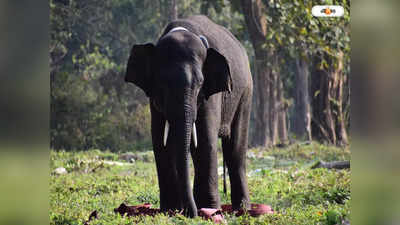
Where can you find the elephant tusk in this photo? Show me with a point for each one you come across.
(194, 135)
(166, 130)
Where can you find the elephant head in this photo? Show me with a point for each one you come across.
(178, 74)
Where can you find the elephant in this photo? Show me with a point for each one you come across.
(198, 81)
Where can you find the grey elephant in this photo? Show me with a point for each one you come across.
(199, 83)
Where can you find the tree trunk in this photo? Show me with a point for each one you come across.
(282, 123)
(205, 6)
(274, 102)
(302, 116)
(270, 113)
(172, 10)
(340, 118)
(255, 18)
(261, 112)
(322, 122)
(328, 123)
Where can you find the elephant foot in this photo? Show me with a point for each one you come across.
(243, 204)
(208, 202)
(190, 212)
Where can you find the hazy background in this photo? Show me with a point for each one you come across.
(375, 112)
(24, 112)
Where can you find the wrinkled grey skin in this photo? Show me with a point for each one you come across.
(186, 83)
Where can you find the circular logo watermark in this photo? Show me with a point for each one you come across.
(327, 11)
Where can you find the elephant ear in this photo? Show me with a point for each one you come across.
(217, 76)
(139, 68)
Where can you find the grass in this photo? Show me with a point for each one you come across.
(281, 178)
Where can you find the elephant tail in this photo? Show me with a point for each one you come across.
(224, 175)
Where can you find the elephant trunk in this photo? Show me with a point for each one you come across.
(184, 130)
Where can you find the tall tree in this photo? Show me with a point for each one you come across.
(328, 122)
(172, 10)
(302, 117)
(304, 39)
(269, 115)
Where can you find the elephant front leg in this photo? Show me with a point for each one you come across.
(166, 166)
(167, 182)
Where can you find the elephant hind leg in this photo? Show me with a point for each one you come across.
(234, 153)
(205, 161)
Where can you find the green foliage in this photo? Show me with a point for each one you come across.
(298, 194)
(84, 116)
(295, 34)
(91, 106)
(293, 28)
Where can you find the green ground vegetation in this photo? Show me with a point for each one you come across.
(280, 177)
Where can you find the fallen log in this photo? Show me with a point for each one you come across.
(332, 165)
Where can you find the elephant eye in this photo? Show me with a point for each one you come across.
(157, 105)
(201, 81)
(200, 96)
(198, 76)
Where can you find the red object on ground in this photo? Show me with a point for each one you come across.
(255, 210)
(216, 215)
(260, 209)
(136, 210)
